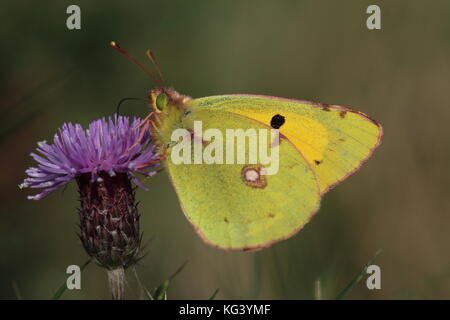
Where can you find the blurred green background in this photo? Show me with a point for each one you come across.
(312, 50)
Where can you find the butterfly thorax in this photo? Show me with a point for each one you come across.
(168, 108)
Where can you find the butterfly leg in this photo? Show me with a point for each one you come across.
(145, 121)
(149, 125)
(162, 157)
(142, 132)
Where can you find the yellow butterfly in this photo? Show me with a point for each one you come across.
(236, 205)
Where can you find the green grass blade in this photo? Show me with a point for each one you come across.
(178, 270)
(143, 288)
(214, 294)
(357, 279)
(161, 292)
(63, 287)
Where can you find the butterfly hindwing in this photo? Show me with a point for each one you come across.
(232, 213)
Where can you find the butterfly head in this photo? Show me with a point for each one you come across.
(166, 111)
(163, 100)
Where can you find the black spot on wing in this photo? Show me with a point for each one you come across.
(277, 121)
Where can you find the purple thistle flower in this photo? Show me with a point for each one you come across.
(107, 146)
(103, 160)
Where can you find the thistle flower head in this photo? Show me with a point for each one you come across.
(109, 146)
(103, 160)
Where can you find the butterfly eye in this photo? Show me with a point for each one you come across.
(161, 101)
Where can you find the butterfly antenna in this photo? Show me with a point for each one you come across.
(123, 100)
(158, 70)
(129, 56)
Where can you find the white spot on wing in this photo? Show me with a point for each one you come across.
(251, 175)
